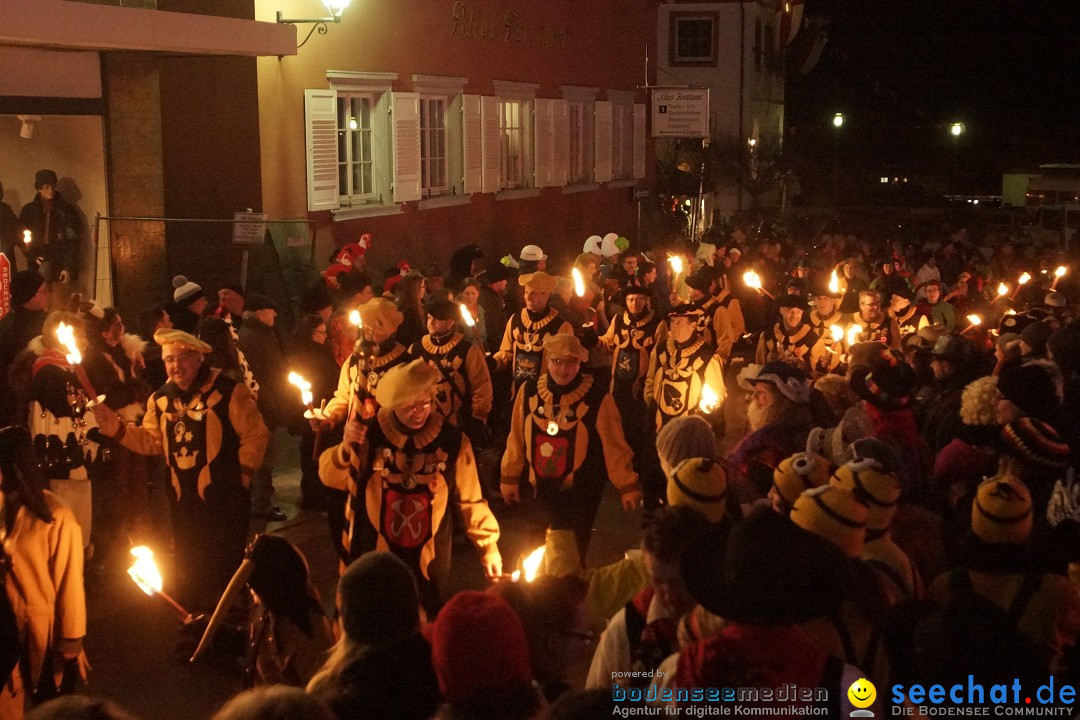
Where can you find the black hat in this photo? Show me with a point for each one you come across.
(496, 272)
(255, 302)
(1036, 335)
(1031, 388)
(441, 309)
(821, 289)
(885, 385)
(1014, 323)
(702, 280)
(771, 572)
(953, 348)
(635, 290)
(25, 285)
(685, 310)
(44, 177)
(787, 300)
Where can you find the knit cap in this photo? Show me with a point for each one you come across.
(878, 490)
(685, 437)
(833, 513)
(185, 292)
(478, 644)
(1036, 336)
(1001, 512)
(379, 599)
(1035, 444)
(798, 473)
(700, 484)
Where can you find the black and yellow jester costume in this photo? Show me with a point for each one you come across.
(463, 394)
(405, 485)
(678, 372)
(522, 347)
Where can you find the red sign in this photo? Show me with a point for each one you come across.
(5, 285)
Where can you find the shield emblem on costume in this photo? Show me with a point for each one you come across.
(526, 365)
(672, 396)
(626, 364)
(406, 517)
(550, 456)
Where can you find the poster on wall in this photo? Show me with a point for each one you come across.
(680, 112)
(5, 285)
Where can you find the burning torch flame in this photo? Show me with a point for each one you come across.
(305, 388)
(531, 565)
(1024, 279)
(752, 280)
(145, 572)
(1003, 289)
(676, 264)
(709, 399)
(853, 333)
(354, 318)
(837, 333)
(974, 319)
(26, 237)
(834, 283)
(1058, 274)
(66, 335)
(466, 316)
(579, 282)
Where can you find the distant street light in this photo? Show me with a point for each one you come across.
(838, 122)
(956, 129)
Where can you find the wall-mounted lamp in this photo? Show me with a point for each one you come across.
(334, 7)
(27, 129)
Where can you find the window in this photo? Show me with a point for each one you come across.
(434, 168)
(510, 144)
(578, 168)
(356, 178)
(622, 141)
(580, 106)
(693, 39)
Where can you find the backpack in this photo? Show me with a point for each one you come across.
(968, 635)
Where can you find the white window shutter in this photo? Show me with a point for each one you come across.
(560, 142)
(472, 138)
(602, 146)
(406, 117)
(639, 140)
(489, 127)
(320, 121)
(542, 142)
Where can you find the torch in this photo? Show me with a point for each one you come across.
(1020, 282)
(146, 575)
(853, 333)
(468, 319)
(752, 280)
(66, 335)
(710, 401)
(676, 263)
(579, 293)
(305, 389)
(1002, 291)
(1058, 274)
(530, 566)
(974, 322)
(836, 333)
(834, 283)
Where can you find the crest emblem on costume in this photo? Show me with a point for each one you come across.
(550, 456)
(406, 518)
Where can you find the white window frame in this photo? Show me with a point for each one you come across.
(622, 134)
(451, 90)
(353, 141)
(581, 108)
(377, 87)
(524, 95)
(434, 145)
(512, 141)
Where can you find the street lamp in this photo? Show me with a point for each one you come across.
(956, 129)
(838, 122)
(334, 7)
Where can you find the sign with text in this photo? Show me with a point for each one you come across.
(5, 285)
(249, 228)
(680, 112)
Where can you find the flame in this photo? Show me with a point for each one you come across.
(752, 280)
(27, 237)
(1024, 279)
(974, 319)
(709, 399)
(66, 335)
(676, 264)
(305, 387)
(1010, 311)
(354, 318)
(834, 283)
(579, 282)
(1060, 272)
(466, 316)
(837, 333)
(1003, 289)
(853, 333)
(530, 566)
(145, 572)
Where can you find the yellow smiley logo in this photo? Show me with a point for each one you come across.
(862, 693)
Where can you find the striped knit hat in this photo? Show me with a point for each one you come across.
(700, 484)
(832, 513)
(1036, 444)
(1001, 512)
(802, 471)
(875, 488)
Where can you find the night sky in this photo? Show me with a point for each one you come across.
(903, 70)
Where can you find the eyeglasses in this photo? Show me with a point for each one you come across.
(565, 362)
(417, 406)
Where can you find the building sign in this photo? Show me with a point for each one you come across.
(471, 21)
(249, 228)
(5, 285)
(680, 112)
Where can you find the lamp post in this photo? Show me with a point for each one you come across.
(956, 129)
(838, 122)
(334, 7)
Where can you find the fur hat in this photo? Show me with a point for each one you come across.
(403, 385)
(700, 484)
(1036, 444)
(379, 600)
(790, 381)
(562, 345)
(835, 514)
(381, 315)
(165, 337)
(44, 177)
(798, 473)
(875, 488)
(186, 292)
(1001, 513)
(539, 281)
(24, 286)
(685, 437)
(478, 644)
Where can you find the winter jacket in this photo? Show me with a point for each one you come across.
(262, 348)
(55, 234)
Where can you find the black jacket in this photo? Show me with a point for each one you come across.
(261, 347)
(60, 246)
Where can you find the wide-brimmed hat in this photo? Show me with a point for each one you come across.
(788, 379)
(404, 385)
(539, 281)
(887, 386)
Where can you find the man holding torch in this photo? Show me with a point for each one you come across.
(407, 474)
(522, 347)
(213, 438)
